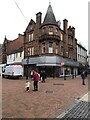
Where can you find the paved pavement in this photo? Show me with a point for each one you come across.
(80, 110)
(53, 98)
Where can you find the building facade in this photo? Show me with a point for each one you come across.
(0, 53)
(81, 58)
(48, 47)
(89, 60)
(89, 35)
(12, 50)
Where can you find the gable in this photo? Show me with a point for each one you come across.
(15, 44)
(30, 26)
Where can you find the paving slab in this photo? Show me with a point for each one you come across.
(79, 110)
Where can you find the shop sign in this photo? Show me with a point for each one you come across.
(62, 63)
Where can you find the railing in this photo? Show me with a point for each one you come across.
(47, 36)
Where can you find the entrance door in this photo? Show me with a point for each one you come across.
(49, 71)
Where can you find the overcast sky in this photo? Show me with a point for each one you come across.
(13, 22)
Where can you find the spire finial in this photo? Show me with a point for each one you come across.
(49, 2)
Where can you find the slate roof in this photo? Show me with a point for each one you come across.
(16, 51)
(49, 17)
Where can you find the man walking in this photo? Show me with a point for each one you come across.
(43, 75)
(83, 78)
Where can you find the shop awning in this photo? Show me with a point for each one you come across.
(48, 64)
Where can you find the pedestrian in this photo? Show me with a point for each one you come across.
(83, 78)
(86, 74)
(39, 77)
(35, 79)
(43, 74)
(27, 85)
(32, 73)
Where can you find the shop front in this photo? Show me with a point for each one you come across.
(54, 66)
(69, 68)
(50, 64)
(82, 67)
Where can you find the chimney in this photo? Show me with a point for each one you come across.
(73, 30)
(38, 18)
(19, 35)
(65, 25)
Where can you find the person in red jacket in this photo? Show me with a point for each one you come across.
(36, 79)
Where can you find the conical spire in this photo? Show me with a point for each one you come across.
(49, 17)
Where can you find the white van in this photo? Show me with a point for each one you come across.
(14, 71)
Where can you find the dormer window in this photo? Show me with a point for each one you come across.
(50, 30)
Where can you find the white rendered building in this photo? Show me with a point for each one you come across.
(81, 57)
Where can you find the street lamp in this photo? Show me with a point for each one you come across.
(62, 64)
(27, 61)
(64, 73)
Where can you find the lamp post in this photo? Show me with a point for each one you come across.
(62, 64)
(64, 73)
(27, 61)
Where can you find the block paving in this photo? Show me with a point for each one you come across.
(53, 98)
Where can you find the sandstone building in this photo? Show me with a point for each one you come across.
(50, 48)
